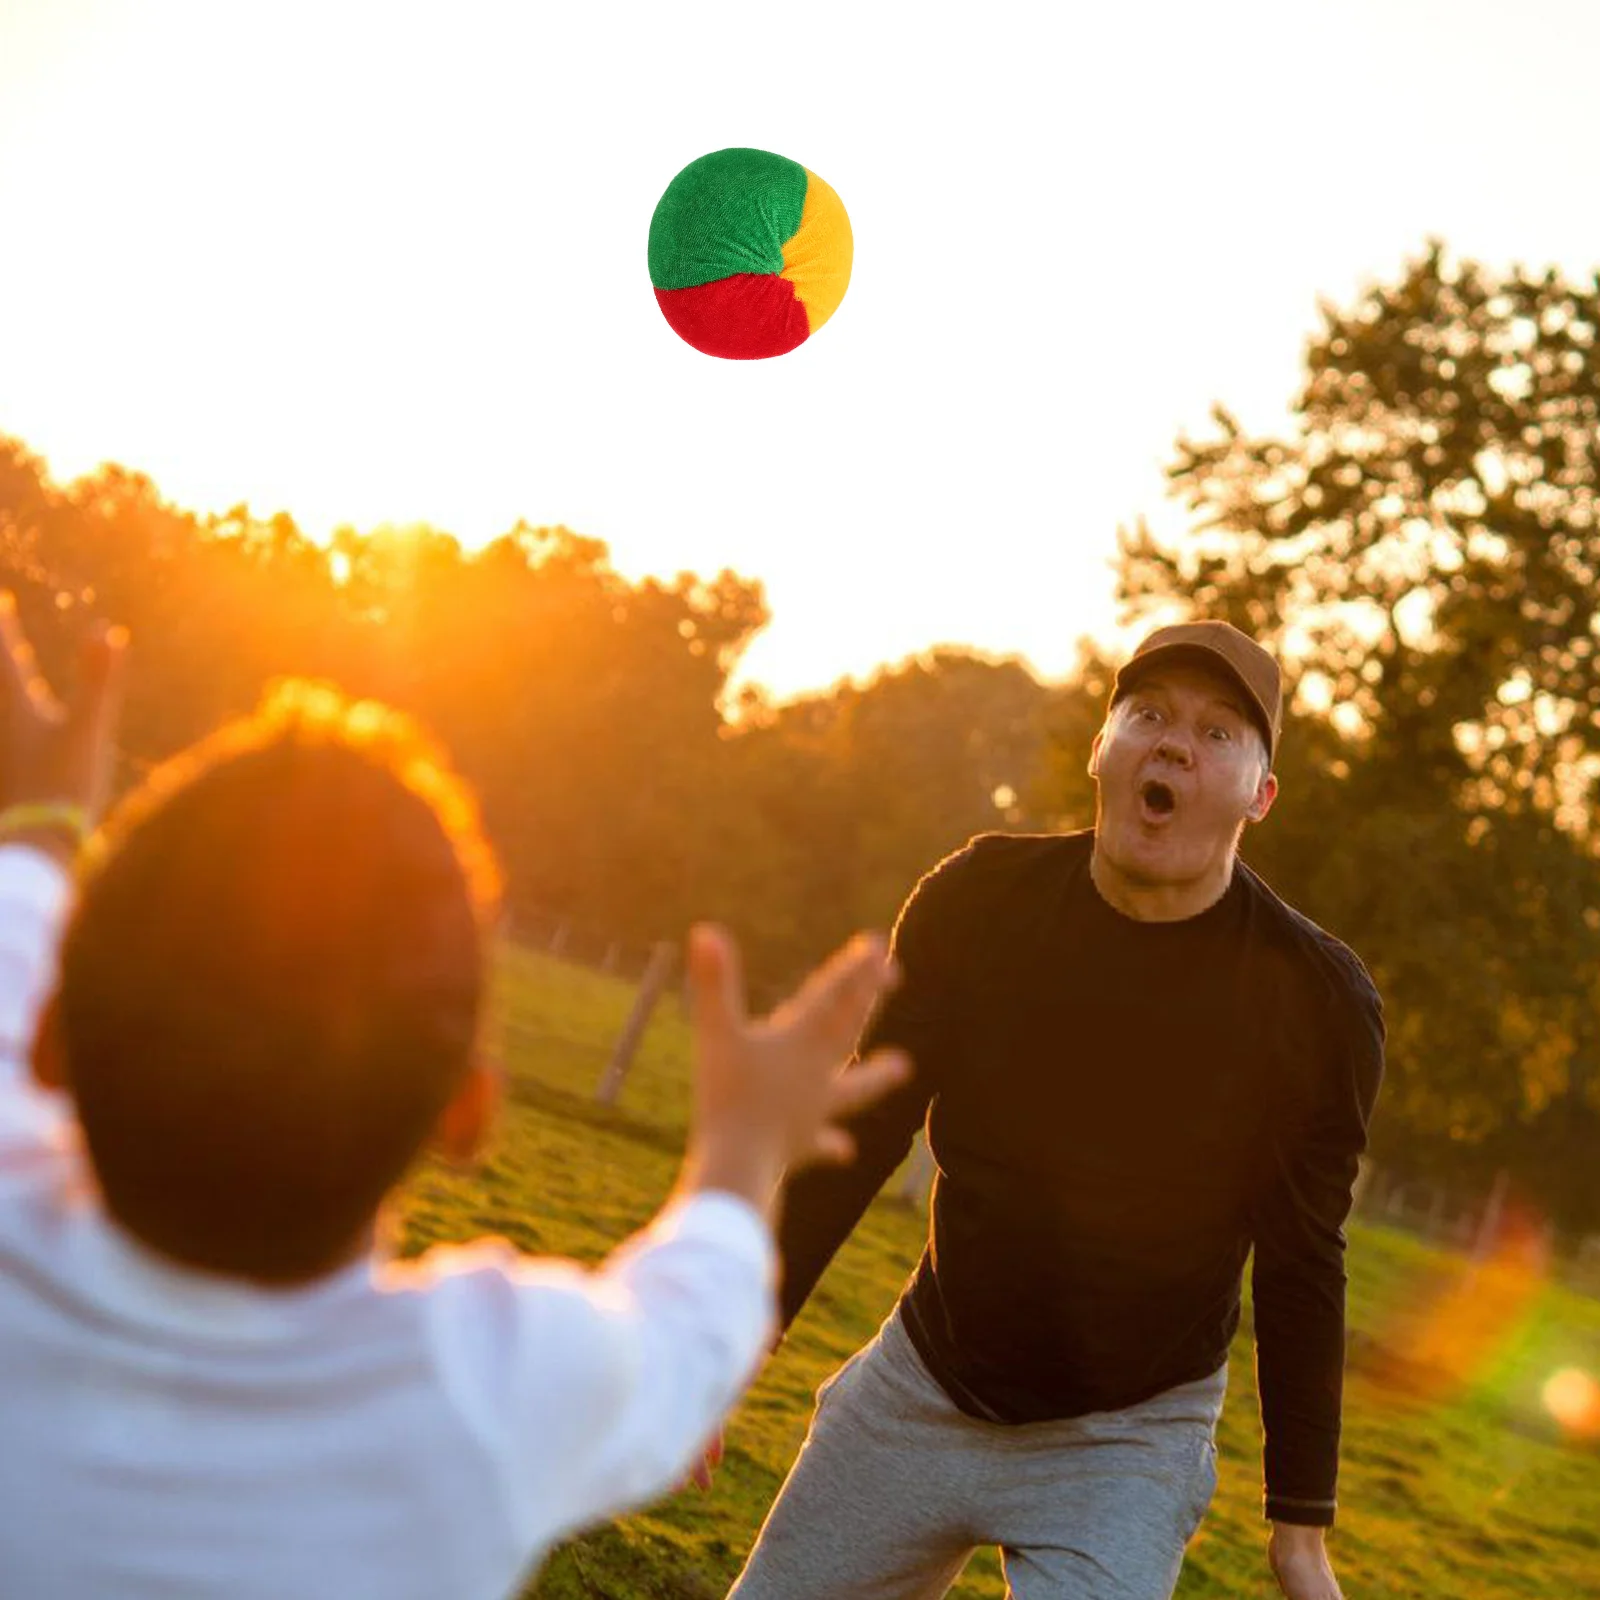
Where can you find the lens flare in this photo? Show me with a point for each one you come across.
(1572, 1397)
(1461, 1321)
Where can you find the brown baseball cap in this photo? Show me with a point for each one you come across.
(1220, 643)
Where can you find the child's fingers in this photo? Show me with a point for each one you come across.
(869, 1081)
(102, 661)
(837, 999)
(833, 1147)
(19, 670)
(716, 982)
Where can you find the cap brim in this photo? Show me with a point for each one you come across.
(1163, 654)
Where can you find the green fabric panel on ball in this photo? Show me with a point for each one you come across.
(729, 212)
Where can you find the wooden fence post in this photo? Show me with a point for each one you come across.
(1488, 1230)
(644, 1002)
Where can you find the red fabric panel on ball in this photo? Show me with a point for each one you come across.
(741, 318)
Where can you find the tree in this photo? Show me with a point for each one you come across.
(1423, 546)
(860, 790)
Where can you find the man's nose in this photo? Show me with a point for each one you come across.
(1174, 747)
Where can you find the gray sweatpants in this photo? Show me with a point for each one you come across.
(895, 1487)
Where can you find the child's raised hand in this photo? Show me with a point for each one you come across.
(770, 1094)
(53, 752)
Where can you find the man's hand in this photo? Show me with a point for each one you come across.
(50, 751)
(1299, 1561)
(708, 1464)
(769, 1095)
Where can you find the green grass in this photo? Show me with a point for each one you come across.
(1454, 1483)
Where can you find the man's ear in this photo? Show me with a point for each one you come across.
(47, 1057)
(1266, 793)
(1094, 753)
(463, 1126)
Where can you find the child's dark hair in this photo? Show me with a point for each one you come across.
(272, 982)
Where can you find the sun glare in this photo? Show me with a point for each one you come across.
(1455, 1331)
(1572, 1397)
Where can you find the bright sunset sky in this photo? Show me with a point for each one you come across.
(387, 263)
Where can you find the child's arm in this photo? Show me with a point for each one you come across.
(606, 1386)
(601, 1388)
(34, 892)
(55, 760)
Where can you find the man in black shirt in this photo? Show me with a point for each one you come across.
(1136, 1063)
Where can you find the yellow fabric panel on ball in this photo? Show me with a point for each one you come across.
(817, 259)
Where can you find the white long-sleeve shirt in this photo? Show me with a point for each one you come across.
(392, 1430)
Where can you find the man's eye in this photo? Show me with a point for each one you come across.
(1144, 711)
(1220, 733)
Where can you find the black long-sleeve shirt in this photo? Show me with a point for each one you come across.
(1118, 1110)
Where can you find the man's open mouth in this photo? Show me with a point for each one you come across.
(1157, 800)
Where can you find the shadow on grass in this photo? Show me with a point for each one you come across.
(607, 1565)
(588, 1113)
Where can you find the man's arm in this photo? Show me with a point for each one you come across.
(821, 1207)
(1299, 1271)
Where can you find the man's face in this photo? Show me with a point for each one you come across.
(1179, 765)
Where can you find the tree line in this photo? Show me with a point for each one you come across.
(1421, 546)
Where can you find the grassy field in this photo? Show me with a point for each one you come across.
(1455, 1481)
